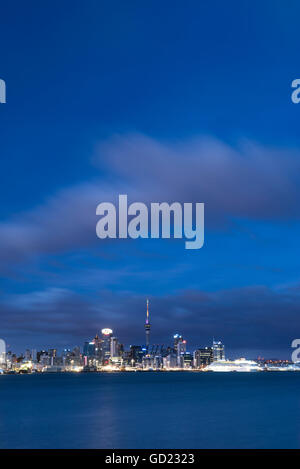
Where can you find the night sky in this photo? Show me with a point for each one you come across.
(163, 101)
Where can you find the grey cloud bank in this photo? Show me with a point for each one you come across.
(251, 182)
(267, 317)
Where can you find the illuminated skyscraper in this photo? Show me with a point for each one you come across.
(147, 328)
(89, 349)
(114, 347)
(97, 346)
(181, 350)
(177, 339)
(105, 343)
(218, 351)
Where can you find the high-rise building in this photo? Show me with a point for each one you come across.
(40, 354)
(136, 354)
(105, 343)
(187, 360)
(218, 351)
(52, 353)
(147, 328)
(181, 350)
(98, 347)
(170, 361)
(44, 359)
(34, 355)
(181, 347)
(89, 349)
(203, 357)
(177, 339)
(114, 347)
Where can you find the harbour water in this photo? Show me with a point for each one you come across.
(150, 410)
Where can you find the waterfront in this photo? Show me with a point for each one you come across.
(150, 410)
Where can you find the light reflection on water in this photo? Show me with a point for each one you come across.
(150, 410)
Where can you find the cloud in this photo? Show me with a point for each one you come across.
(65, 221)
(255, 318)
(249, 181)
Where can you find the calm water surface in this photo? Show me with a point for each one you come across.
(150, 410)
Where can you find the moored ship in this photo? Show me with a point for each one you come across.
(239, 365)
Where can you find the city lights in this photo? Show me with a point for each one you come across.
(105, 353)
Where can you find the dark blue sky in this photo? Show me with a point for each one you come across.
(164, 101)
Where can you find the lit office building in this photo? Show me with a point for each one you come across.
(157, 362)
(97, 347)
(44, 359)
(34, 355)
(177, 339)
(52, 352)
(89, 349)
(105, 343)
(203, 357)
(148, 362)
(170, 361)
(136, 354)
(114, 347)
(181, 351)
(218, 351)
(187, 360)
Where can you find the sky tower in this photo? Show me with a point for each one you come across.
(147, 327)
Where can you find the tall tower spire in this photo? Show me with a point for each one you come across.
(147, 328)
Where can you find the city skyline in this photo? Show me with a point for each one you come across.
(105, 350)
(146, 347)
